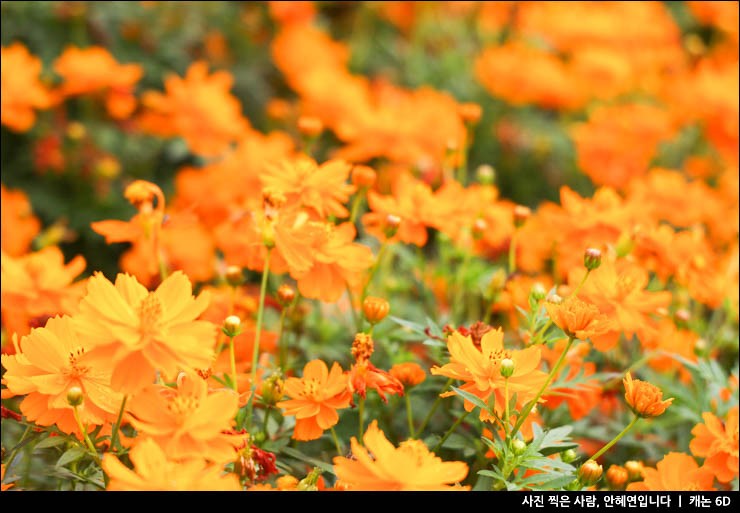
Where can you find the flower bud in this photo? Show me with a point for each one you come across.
(592, 259)
(76, 130)
(232, 326)
(479, 228)
(75, 397)
(363, 176)
(521, 214)
(634, 470)
(569, 456)
(700, 347)
(391, 225)
(589, 473)
(310, 482)
(538, 292)
(486, 174)
(617, 477)
(507, 367)
(470, 112)
(310, 126)
(268, 235)
(285, 294)
(234, 275)
(375, 309)
(518, 446)
(554, 298)
(682, 318)
(498, 279)
(272, 389)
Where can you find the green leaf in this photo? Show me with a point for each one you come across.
(477, 401)
(51, 441)
(73, 454)
(293, 453)
(411, 326)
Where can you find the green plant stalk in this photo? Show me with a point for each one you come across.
(18, 446)
(434, 407)
(266, 419)
(88, 442)
(615, 439)
(336, 442)
(512, 253)
(282, 344)
(506, 408)
(361, 421)
(373, 270)
(232, 360)
(583, 280)
(450, 431)
(523, 416)
(356, 204)
(357, 320)
(459, 285)
(258, 332)
(117, 425)
(409, 416)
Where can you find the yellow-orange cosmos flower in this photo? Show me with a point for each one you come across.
(143, 332)
(577, 318)
(480, 369)
(675, 472)
(718, 444)
(48, 362)
(379, 466)
(187, 421)
(645, 399)
(315, 399)
(156, 472)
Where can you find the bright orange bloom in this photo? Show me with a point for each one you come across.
(409, 373)
(379, 466)
(19, 225)
(187, 421)
(155, 471)
(718, 444)
(363, 375)
(21, 91)
(144, 332)
(323, 189)
(577, 318)
(51, 360)
(480, 369)
(675, 472)
(315, 399)
(95, 70)
(38, 286)
(645, 399)
(198, 108)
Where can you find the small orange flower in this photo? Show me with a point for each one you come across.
(375, 309)
(154, 471)
(19, 225)
(409, 373)
(718, 444)
(143, 332)
(379, 466)
(364, 375)
(315, 399)
(47, 364)
(4, 486)
(675, 472)
(577, 318)
(21, 91)
(645, 399)
(187, 421)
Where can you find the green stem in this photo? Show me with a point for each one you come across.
(434, 407)
(355, 318)
(282, 345)
(450, 431)
(232, 359)
(117, 425)
(616, 439)
(512, 253)
(257, 333)
(356, 204)
(265, 419)
(374, 270)
(533, 402)
(507, 417)
(336, 442)
(459, 277)
(360, 416)
(583, 280)
(409, 416)
(19, 445)
(88, 442)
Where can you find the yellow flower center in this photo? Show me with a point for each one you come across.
(496, 356)
(181, 407)
(415, 451)
(150, 314)
(75, 370)
(311, 388)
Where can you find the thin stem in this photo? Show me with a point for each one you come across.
(232, 360)
(336, 441)
(512, 253)
(533, 402)
(583, 280)
(616, 439)
(450, 431)
(374, 269)
(409, 416)
(258, 332)
(117, 425)
(459, 285)
(356, 204)
(361, 415)
(355, 318)
(434, 407)
(506, 407)
(282, 345)
(83, 430)
(266, 418)
(18, 446)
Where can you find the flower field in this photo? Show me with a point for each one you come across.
(376, 246)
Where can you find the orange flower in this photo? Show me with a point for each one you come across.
(577, 318)
(379, 466)
(315, 399)
(480, 369)
(675, 472)
(363, 375)
(187, 421)
(323, 189)
(155, 471)
(645, 399)
(718, 444)
(21, 91)
(19, 225)
(48, 362)
(38, 286)
(409, 373)
(143, 332)
(198, 108)
(94, 70)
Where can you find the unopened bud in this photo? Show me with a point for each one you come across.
(470, 112)
(634, 470)
(592, 259)
(682, 317)
(285, 294)
(507, 367)
(518, 446)
(391, 225)
(375, 309)
(309, 483)
(617, 477)
(234, 275)
(232, 326)
(310, 126)
(363, 176)
(75, 397)
(700, 347)
(272, 389)
(569, 456)
(76, 130)
(521, 214)
(590, 472)
(268, 235)
(486, 174)
(479, 228)
(498, 280)
(554, 298)
(538, 292)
